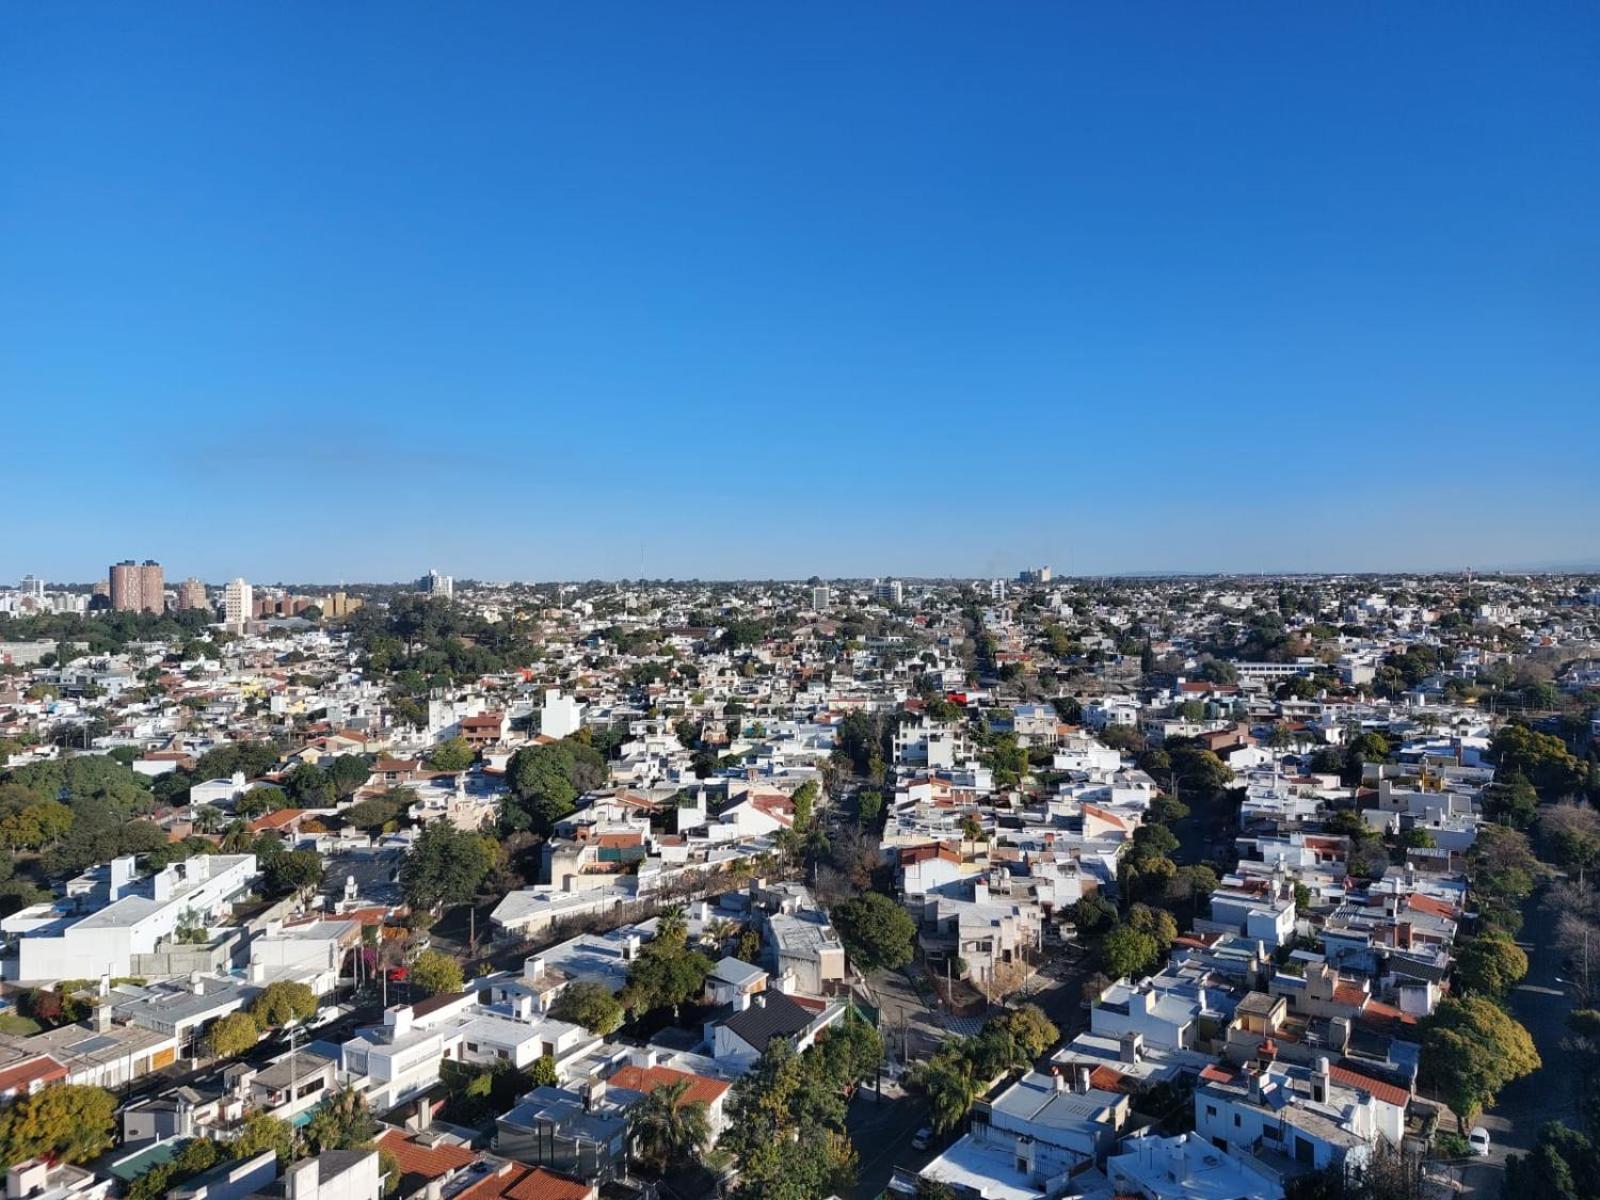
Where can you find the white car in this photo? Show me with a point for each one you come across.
(1478, 1140)
(922, 1138)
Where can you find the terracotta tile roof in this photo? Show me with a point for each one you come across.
(517, 1182)
(1347, 993)
(702, 1089)
(1387, 1012)
(1212, 1073)
(281, 819)
(1376, 1088)
(41, 1069)
(1428, 904)
(1109, 818)
(419, 1163)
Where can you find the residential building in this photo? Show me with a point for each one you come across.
(238, 606)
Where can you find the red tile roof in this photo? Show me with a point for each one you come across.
(41, 1069)
(281, 819)
(702, 1090)
(423, 1162)
(1376, 1088)
(517, 1182)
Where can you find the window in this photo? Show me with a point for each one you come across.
(1211, 1110)
(1236, 1121)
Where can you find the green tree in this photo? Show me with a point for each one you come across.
(68, 1121)
(282, 1002)
(543, 1072)
(541, 781)
(341, 1122)
(259, 1132)
(232, 1035)
(878, 934)
(1032, 1030)
(1490, 965)
(293, 871)
(1471, 1049)
(584, 1002)
(436, 973)
(948, 1081)
(668, 1129)
(446, 866)
(869, 807)
(348, 774)
(1127, 952)
(805, 798)
(377, 811)
(456, 754)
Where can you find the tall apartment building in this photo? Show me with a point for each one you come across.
(339, 604)
(435, 584)
(237, 608)
(821, 598)
(138, 587)
(1035, 575)
(152, 586)
(192, 594)
(32, 587)
(890, 591)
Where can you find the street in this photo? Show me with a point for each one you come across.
(1541, 1005)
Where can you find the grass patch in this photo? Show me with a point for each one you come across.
(18, 1026)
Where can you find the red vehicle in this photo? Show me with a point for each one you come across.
(398, 974)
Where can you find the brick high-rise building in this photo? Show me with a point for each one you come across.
(192, 594)
(138, 587)
(152, 586)
(127, 586)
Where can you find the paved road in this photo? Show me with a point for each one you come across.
(881, 1132)
(1550, 1093)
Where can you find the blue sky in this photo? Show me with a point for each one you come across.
(345, 291)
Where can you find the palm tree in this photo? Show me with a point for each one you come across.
(672, 925)
(237, 838)
(205, 819)
(666, 1130)
(719, 933)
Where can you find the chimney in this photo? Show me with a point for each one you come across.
(423, 1116)
(196, 985)
(1320, 1081)
(398, 1020)
(594, 1091)
(102, 1017)
(1080, 1077)
(523, 1007)
(1132, 1047)
(630, 947)
(741, 1001)
(644, 1058)
(1059, 1079)
(533, 967)
(1255, 1086)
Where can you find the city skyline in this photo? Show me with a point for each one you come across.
(693, 294)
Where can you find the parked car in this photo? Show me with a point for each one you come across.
(1478, 1139)
(922, 1139)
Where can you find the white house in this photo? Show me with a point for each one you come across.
(100, 931)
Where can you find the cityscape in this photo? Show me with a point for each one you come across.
(879, 601)
(1030, 887)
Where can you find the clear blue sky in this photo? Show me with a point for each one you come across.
(323, 291)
